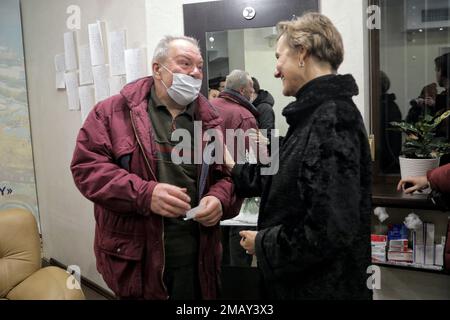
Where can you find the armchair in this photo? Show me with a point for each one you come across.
(21, 276)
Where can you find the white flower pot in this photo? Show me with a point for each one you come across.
(417, 167)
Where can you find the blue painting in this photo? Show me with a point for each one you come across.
(17, 179)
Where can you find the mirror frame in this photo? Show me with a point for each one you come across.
(375, 90)
(200, 18)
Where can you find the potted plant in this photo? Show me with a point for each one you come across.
(422, 149)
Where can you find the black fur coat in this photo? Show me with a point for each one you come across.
(314, 222)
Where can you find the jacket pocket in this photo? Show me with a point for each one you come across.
(122, 261)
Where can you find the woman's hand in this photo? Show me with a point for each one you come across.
(418, 184)
(248, 241)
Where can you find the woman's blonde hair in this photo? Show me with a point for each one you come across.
(317, 35)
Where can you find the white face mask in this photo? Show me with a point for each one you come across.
(184, 88)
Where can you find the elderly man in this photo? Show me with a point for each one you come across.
(237, 111)
(122, 162)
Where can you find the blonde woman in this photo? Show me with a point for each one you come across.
(313, 238)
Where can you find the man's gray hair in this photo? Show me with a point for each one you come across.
(237, 80)
(162, 48)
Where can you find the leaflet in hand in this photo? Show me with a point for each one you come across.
(191, 214)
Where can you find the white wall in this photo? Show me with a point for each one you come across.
(164, 17)
(67, 218)
(349, 18)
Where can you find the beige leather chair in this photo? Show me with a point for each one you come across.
(21, 276)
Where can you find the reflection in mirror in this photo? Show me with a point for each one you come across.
(414, 76)
(252, 50)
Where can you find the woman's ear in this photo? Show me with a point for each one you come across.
(302, 55)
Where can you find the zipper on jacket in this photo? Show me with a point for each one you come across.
(162, 218)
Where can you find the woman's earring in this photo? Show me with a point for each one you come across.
(301, 64)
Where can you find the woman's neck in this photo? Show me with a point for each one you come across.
(316, 70)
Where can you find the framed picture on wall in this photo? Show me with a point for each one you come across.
(17, 178)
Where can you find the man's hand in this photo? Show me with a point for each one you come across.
(211, 211)
(413, 184)
(248, 241)
(170, 201)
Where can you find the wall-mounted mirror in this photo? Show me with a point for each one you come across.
(252, 50)
(229, 40)
(406, 83)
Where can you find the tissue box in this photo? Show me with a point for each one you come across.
(439, 255)
(429, 255)
(419, 254)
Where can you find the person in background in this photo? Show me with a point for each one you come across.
(439, 180)
(430, 101)
(391, 141)
(122, 162)
(217, 83)
(237, 112)
(264, 102)
(442, 67)
(222, 81)
(424, 104)
(313, 238)
(212, 94)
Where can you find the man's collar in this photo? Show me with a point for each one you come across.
(157, 103)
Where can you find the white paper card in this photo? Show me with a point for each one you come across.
(85, 65)
(60, 62)
(70, 51)
(59, 80)
(116, 84)
(103, 34)
(117, 46)
(71, 79)
(96, 44)
(135, 64)
(191, 214)
(87, 100)
(101, 82)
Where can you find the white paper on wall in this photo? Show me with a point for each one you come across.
(60, 63)
(70, 51)
(103, 34)
(85, 65)
(117, 46)
(60, 67)
(116, 84)
(101, 82)
(59, 80)
(97, 44)
(87, 100)
(71, 79)
(135, 64)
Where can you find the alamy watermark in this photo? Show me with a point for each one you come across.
(73, 22)
(374, 19)
(374, 281)
(211, 147)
